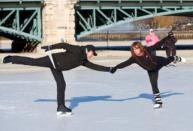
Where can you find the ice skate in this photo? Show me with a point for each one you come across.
(63, 111)
(158, 102)
(171, 65)
(157, 105)
(7, 59)
(179, 59)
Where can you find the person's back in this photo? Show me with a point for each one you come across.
(71, 58)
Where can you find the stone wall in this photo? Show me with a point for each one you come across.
(58, 21)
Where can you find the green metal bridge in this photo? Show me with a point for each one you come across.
(95, 15)
(20, 21)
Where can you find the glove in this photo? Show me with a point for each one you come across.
(46, 48)
(112, 69)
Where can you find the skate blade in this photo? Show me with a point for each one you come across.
(171, 65)
(157, 106)
(64, 114)
(183, 60)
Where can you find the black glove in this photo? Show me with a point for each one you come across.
(112, 69)
(46, 48)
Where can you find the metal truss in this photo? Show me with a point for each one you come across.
(95, 15)
(21, 19)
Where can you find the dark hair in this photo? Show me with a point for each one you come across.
(138, 45)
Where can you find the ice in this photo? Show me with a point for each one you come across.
(100, 101)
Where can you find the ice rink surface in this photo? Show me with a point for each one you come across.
(100, 101)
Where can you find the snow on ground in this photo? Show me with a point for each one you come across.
(100, 101)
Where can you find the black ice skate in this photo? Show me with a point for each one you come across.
(7, 59)
(63, 111)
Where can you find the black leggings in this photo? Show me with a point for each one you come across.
(171, 51)
(153, 74)
(61, 86)
(42, 61)
(45, 62)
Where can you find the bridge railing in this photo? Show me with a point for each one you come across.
(133, 3)
(139, 1)
(96, 15)
(133, 35)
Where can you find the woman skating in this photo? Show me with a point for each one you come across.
(142, 56)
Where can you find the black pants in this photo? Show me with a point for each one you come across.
(171, 51)
(170, 46)
(153, 74)
(153, 52)
(45, 62)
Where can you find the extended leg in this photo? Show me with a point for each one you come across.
(171, 51)
(168, 52)
(42, 61)
(162, 61)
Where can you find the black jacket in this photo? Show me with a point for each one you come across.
(73, 57)
(148, 62)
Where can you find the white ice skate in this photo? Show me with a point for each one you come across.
(179, 59)
(158, 102)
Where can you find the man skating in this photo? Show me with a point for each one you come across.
(72, 57)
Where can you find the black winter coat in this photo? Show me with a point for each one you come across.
(73, 57)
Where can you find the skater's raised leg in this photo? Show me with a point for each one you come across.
(42, 61)
(162, 61)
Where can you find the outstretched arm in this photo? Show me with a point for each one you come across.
(128, 62)
(96, 67)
